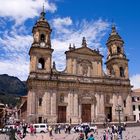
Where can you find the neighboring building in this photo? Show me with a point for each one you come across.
(82, 92)
(22, 109)
(2, 114)
(136, 104)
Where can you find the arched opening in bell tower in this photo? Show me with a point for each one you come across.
(42, 38)
(118, 50)
(41, 63)
(122, 72)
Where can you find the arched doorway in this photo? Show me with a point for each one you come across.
(108, 113)
(86, 113)
(61, 114)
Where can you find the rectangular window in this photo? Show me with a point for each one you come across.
(133, 100)
(134, 117)
(139, 107)
(133, 107)
(124, 102)
(40, 120)
(40, 101)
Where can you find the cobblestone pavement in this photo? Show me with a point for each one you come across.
(4, 137)
(132, 133)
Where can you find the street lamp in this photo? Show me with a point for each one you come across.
(119, 109)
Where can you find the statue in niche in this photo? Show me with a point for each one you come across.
(61, 98)
(85, 70)
(107, 99)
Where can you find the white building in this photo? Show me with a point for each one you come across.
(136, 104)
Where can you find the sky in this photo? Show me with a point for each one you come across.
(70, 20)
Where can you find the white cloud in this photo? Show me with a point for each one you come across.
(135, 81)
(14, 59)
(15, 67)
(21, 10)
(16, 43)
(61, 23)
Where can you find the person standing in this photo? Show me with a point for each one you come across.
(91, 137)
(50, 131)
(24, 130)
(81, 136)
(59, 129)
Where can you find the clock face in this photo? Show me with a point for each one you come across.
(42, 44)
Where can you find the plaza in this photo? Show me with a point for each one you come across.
(131, 133)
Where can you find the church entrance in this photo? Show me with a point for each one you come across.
(86, 113)
(108, 113)
(61, 114)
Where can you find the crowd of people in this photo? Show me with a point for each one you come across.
(110, 133)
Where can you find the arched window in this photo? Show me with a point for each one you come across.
(40, 101)
(122, 72)
(118, 50)
(41, 63)
(124, 102)
(42, 38)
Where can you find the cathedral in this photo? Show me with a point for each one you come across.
(83, 92)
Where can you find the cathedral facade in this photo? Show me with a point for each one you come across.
(82, 92)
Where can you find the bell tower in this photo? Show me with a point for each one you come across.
(117, 63)
(41, 51)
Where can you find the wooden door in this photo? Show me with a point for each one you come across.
(86, 112)
(61, 114)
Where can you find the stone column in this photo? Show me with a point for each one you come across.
(29, 103)
(75, 105)
(100, 107)
(80, 115)
(72, 104)
(88, 73)
(33, 103)
(48, 103)
(129, 108)
(120, 102)
(53, 103)
(98, 103)
(69, 106)
(93, 112)
(115, 103)
(74, 67)
(102, 104)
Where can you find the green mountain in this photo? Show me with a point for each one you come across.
(11, 88)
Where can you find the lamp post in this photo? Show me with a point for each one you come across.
(119, 110)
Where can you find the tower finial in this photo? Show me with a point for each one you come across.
(113, 28)
(43, 8)
(42, 14)
(84, 43)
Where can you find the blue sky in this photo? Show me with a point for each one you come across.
(70, 21)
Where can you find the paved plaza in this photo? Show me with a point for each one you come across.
(132, 133)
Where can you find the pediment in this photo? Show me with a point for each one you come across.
(85, 51)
